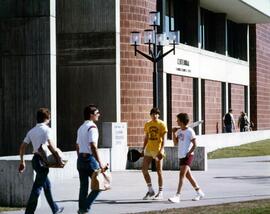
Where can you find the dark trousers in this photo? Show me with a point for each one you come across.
(228, 128)
(41, 181)
(86, 166)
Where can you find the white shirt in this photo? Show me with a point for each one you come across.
(87, 134)
(40, 134)
(184, 141)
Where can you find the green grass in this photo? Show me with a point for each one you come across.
(2, 209)
(259, 148)
(248, 207)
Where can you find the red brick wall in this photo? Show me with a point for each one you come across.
(263, 76)
(237, 101)
(213, 117)
(182, 97)
(136, 72)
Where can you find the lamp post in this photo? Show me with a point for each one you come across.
(154, 40)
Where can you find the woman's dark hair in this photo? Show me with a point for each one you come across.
(43, 114)
(88, 110)
(155, 111)
(183, 117)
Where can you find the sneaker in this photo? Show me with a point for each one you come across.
(60, 210)
(149, 195)
(158, 196)
(199, 195)
(82, 212)
(175, 199)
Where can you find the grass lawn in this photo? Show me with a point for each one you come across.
(2, 209)
(248, 207)
(259, 148)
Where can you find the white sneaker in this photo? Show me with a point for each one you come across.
(158, 196)
(149, 195)
(199, 195)
(175, 199)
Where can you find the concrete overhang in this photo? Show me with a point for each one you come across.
(241, 11)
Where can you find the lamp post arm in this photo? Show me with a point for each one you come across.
(145, 55)
(158, 54)
(165, 54)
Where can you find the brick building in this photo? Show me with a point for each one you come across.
(66, 54)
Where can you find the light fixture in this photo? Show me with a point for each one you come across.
(161, 39)
(148, 36)
(154, 19)
(155, 53)
(135, 38)
(174, 37)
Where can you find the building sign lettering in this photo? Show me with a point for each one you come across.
(184, 65)
(119, 134)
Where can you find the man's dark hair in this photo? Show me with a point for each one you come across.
(155, 111)
(230, 110)
(43, 114)
(183, 117)
(88, 110)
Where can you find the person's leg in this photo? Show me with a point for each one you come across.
(182, 175)
(93, 165)
(41, 175)
(84, 184)
(199, 192)
(48, 195)
(159, 165)
(146, 162)
(228, 128)
(91, 198)
(191, 179)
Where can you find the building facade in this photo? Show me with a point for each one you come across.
(67, 54)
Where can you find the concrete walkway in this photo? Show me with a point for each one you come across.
(227, 180)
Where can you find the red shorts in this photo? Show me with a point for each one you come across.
(186, 160)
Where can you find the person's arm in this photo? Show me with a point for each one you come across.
(175, 138)
(77, 148)
(52, 148)
(77, 143)
(96, 155)
(194, 145)
(233, 123)
(144, 143)
(160, 154)
(22, 152)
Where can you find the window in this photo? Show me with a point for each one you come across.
(183, 16)
(237, 40)
(213, 31)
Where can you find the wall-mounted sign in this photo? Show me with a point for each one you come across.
(183, 65)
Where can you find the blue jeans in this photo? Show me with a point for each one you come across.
(41, 181)
(86, 166)
(228, 128)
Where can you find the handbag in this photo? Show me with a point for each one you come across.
(50, 159)
(101, 180)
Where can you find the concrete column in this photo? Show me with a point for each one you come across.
(53, 66)
(28, 69)
(200, 103)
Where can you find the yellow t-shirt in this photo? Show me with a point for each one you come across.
(155, 130)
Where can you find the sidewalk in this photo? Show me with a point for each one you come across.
(227, 180)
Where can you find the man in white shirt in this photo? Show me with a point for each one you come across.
(39, 135)
(88, 156)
